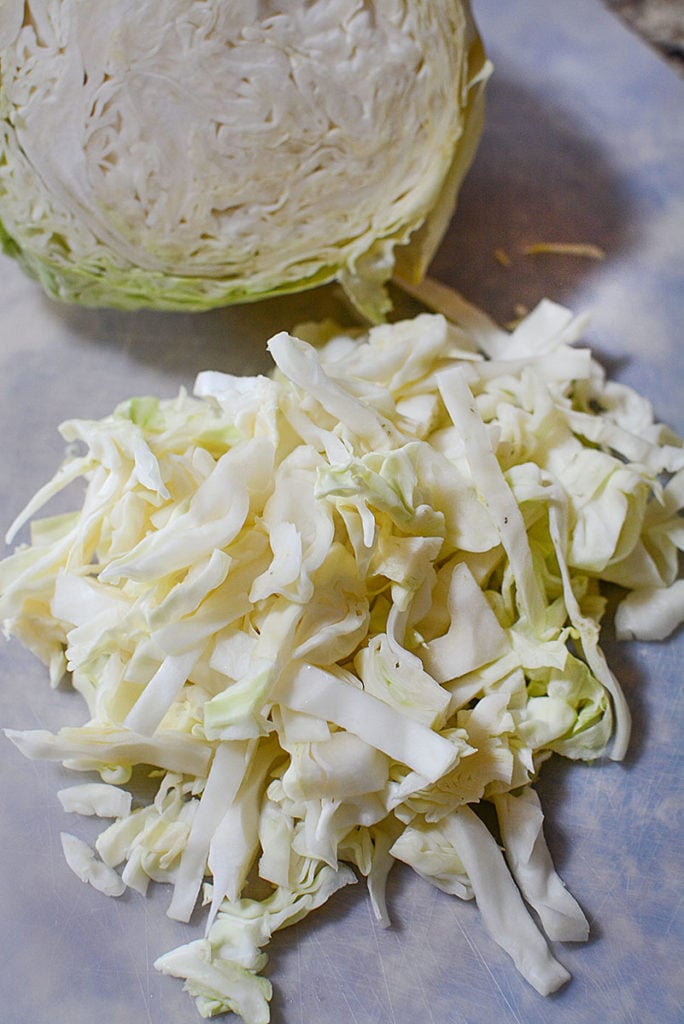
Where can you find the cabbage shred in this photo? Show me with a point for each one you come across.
(338, 611)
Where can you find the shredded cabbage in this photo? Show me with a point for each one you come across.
(340, 611)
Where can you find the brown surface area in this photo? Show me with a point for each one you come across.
(660, 22)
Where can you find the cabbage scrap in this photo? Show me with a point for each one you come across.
(340, 611)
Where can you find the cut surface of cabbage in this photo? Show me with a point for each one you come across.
(192, 154)
(338, 613)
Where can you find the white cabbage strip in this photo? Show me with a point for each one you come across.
(338, 610)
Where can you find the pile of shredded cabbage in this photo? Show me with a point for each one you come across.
(335, 612)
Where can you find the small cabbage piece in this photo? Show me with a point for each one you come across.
(501, 903)
(340, 617)
(651, 613)
(96, 798)
(83, 862)
(189, 155)
(520, 819)
(222, 970)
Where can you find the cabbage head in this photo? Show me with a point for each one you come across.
(195, 153)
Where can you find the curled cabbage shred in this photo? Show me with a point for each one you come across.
(338, 613)
(188, 155)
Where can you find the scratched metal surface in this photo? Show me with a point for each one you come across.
(585, 142)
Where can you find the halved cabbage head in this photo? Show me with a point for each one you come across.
(195, 153)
